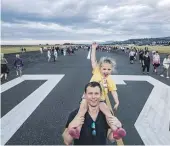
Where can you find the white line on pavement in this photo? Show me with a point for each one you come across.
(13, 120)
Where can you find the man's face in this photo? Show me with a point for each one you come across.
(93, 95)
(106, 69)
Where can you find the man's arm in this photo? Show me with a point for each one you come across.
(110, 136)
(115, 97)
(93, 56)
(67, 138)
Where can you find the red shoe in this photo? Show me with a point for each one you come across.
(74, 133)
(119, 133)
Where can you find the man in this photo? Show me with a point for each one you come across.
(95, 129)
(131, 56)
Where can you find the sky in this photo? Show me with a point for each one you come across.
(82, 21)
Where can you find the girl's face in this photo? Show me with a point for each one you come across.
(106, 69)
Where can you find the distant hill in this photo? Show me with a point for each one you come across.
(142, 41)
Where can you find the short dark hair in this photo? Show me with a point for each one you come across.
(92, 84)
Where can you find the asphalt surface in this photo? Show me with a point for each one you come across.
(46, 124)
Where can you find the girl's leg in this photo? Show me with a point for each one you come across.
(83, 108)
(113, 122)
(75, 133)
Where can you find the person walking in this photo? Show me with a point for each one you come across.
(146, 62)
(4, 67)
(166, 64)
(18, 64)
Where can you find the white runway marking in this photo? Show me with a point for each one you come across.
(88, 57)
(13, 120)
(11, 84)
(155, 115)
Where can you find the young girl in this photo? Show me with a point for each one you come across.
(101, 73)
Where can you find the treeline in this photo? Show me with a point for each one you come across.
(144, 41)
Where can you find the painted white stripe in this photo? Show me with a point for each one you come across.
(132, 77)
(11, 84)
(154, 118)
(39, 77)
(118, 80)
(155, 82)
(88, 57)
(13, 120)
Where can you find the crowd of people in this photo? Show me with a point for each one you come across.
(18, 63)
(148, 58)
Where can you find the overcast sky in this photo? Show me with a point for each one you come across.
(58, 21)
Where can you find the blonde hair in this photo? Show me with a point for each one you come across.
(107, 60)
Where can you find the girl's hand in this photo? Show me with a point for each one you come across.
(94, 45)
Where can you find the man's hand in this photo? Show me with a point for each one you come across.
(76, 122)
(94, 45)
(116, 106)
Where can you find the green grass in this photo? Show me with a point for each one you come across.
(9, 49)
(16, 49)
(160, 49)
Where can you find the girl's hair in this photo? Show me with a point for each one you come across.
(107, 60)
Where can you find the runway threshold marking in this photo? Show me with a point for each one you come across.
(14, 119)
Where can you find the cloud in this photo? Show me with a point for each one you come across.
(84, 19)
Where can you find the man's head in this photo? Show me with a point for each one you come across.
(93, 92)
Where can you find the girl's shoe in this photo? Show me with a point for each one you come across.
(119, 133)
(74, 132)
